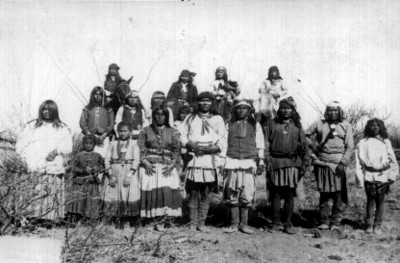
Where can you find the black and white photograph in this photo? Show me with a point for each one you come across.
(200, 131)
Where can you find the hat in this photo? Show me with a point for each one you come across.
(113, 66)
(206, 95)
(333, 104)
(187, 73)
(158, 94)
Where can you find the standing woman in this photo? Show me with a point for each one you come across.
(244, 155)
(43, 144)
(376, 169)
(287, 161)
(98, 119)
(134, 113)
(332, 151)
(159, 181)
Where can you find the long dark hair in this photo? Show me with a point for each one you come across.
(272, 69)
(139, 105)
(165, 111)
(53, 112)
(341, 115)
(382, 128)
(225, 76)
(295, 117)
(92, 104)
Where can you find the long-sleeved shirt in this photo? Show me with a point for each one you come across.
(95, 119)
(371, 156)
(122, 153)
(35, 143)
(286, 145)
(162, 146)
(338, 147)
(205, 130)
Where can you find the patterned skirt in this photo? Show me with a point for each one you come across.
(160, 195)
(288, 176)
(121, 200)
(327, 180)
(85, 200)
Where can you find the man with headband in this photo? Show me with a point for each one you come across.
(332, 151)
(204, 137)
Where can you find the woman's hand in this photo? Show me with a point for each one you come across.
(260, 169)
(52, 155)
(89, 170)
(166, 171)
(113, 182)
(148, 166)
(127, 181)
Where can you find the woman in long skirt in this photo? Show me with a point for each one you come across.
(159, 181)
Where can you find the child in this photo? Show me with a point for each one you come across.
(376, 169)
(87, 168)
(122, 193)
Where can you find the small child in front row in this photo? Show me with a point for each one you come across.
(376, 169)
(122, 194)
(87, 167)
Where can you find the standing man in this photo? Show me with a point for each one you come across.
(204, 137)
(331, 154)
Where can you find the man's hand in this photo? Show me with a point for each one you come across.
(127, 181)
(193, 147)
(113, 182)
(260, 169)
(340, 169)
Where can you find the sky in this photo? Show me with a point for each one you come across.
(326, 50)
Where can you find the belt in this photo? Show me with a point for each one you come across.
(121, 161)
(373, 170)
(159, 151)
(284, 155)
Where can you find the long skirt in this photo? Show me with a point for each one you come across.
(119, 200)
(47, 199)
(160, 195)
(240, 187)
(85, 200)
(327, 180)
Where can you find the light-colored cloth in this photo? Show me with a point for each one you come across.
(375, 153)
(160, 195)
(121, 158)
(205, 131)
(118, 119)
(240, 186)
(35, 143)
(277, 91)
(337, 149)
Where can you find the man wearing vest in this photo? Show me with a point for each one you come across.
(244, 158)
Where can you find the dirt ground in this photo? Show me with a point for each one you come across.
(104, 243)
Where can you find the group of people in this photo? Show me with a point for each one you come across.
(133, 163)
